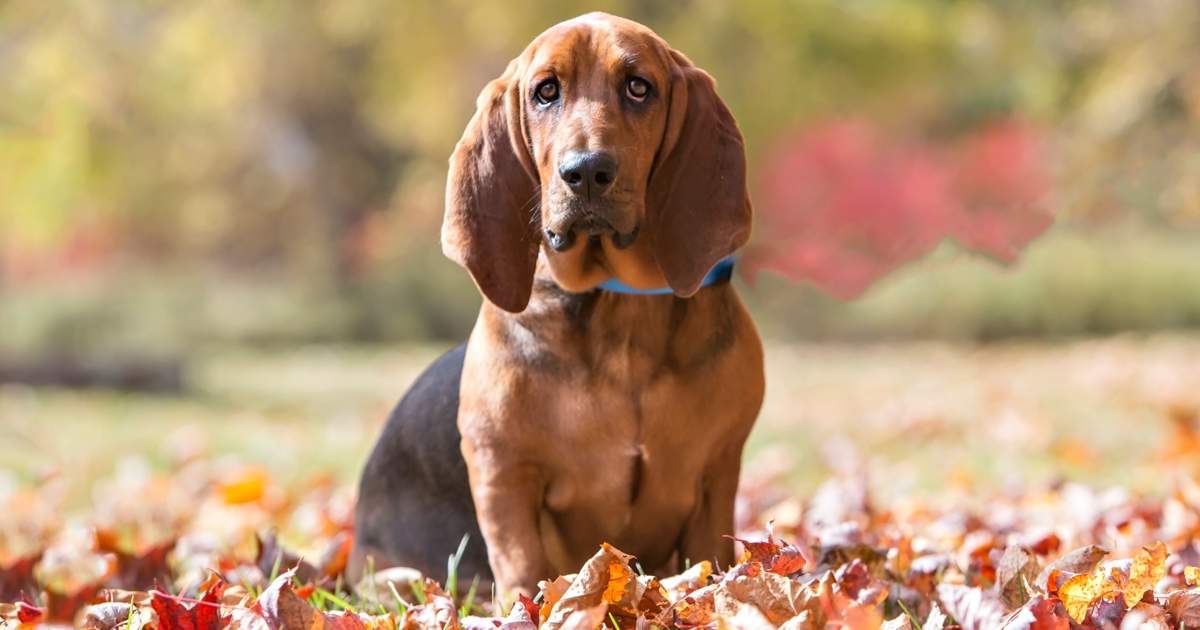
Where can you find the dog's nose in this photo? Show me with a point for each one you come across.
(588, 172)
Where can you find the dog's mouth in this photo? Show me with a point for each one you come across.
(594, 227)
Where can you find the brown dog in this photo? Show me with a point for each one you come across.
(585, 415)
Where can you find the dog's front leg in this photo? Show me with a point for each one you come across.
(712, 517)
(508, 497)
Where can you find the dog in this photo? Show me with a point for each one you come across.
(613, 375)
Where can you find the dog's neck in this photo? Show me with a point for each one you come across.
(629, 338)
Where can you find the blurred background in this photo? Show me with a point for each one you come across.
(219, 227)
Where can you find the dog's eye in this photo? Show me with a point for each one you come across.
(637, 89)
(547, 91)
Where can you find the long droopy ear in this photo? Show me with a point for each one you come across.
(492, 223)
(697, 203)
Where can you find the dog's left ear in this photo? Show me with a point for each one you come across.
(697, 203)
(491, 221)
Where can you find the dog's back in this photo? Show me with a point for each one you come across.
(414, 500)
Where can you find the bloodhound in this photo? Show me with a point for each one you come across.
(589, 404)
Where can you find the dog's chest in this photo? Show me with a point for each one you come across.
(627, 464)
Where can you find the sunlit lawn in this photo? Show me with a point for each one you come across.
(918, 417)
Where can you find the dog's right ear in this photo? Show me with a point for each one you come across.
(492, 224)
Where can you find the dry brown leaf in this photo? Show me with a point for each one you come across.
(697, 608)
(695, 577)
(377, 588)
(777, 597)
(106, 616)
(1146, 617)
(745, 617)
(803, 621)
(552, 591)
(1016, 571)
(438, 611)
(899, 622)
(278, 607)
(972, 607)
(1081, 560)
(936, 619)
(1184, 607)
(655, 599)
(585, 618)
(604, 579)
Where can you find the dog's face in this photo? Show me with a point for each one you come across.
(608, 151)
(596, 116)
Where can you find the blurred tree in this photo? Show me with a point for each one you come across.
(304, 145)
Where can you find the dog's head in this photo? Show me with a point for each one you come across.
(607, 150)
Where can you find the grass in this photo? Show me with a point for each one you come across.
(919, 417)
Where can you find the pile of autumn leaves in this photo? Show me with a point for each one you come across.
(1061, 557)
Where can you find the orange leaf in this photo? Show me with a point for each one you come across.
(1191, 575)
(247, 486)
(1149, 566)
(1078, 593)
(605, 579)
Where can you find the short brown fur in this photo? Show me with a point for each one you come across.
(590, 416)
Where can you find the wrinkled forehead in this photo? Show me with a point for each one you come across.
(598, 42)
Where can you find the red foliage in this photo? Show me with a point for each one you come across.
(202, 615)
(842, 206)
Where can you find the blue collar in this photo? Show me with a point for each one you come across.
(721, 272)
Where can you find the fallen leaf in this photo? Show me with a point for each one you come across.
(552, 591)
(381, 587)
(1146, 617)
(1149, 566)
(438, 611)
(336, 555)
(1184, 607)
(1078, 593)
(775, 555)
(244, 486)
(777, 597)
(17, 580)
(107, 616)
(273, 557)
(278, 607)
(1039, 613)
(1017, 569)
(1081, 560)
(698, 608)
(64, 607)
(585, 618)
(204, 614)
(604, 579)
(136, 568)
(936, 619)
(972, 607)
(695, 577)
(899, 622)
(744, 617)
(1106, 611)
(1191, 575)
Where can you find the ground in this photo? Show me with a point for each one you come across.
(964, 458)
(920, 414)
